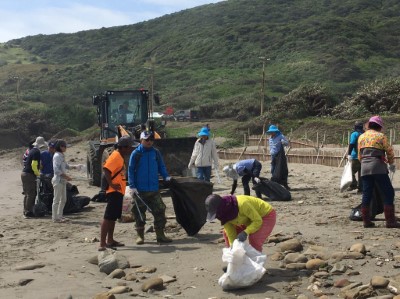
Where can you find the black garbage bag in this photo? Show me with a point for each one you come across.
(281, 171)
(188, 197)
(74, 202)
(272, 190)
(46, 192)
(375, 208)
(39, 209)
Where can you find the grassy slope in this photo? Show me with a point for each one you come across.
(208, 57)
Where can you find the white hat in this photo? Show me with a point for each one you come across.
(40, 143)
(230, 171)
(146, 135)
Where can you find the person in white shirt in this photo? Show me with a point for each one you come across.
(204, 155)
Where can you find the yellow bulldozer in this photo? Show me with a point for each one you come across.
(129, 112)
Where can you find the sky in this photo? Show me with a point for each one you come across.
(20, 18)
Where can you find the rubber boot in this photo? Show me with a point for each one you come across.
(366, 217)
(161, 238)
(140, 238)
(391, 221)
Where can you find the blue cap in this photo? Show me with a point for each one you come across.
(272, 129)
(204, 132)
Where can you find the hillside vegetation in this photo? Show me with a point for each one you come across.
(337, 59)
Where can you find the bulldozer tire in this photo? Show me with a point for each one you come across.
(93, 166)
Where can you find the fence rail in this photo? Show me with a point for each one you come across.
(299, 152)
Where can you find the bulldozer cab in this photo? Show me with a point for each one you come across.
(127, 108)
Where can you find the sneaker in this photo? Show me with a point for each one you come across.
(61, 220)
(28, 215)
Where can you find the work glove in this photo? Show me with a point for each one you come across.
(257, 180)
(133, 192)
(392, 168)
(168, 178)
(242, 236)
(349, 158)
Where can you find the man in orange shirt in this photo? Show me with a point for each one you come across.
(114, 171)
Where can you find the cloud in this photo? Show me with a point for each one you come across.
(51, 17)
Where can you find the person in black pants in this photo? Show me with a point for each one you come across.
(249, 169)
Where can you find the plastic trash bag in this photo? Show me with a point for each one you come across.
(347, 177)
(127, 202)
(245, 266)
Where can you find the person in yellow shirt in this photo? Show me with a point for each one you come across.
(243, 217)
(376, 156)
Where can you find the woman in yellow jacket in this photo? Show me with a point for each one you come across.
(242, 216)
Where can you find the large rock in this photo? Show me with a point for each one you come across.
(315, 264)
(109, 261)
(379, 282)
(292, 245)
(295, 257)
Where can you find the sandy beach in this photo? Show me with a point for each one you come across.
(318, 217)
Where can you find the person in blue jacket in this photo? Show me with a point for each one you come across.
(353, 157)
(249, 170)
(145, 165)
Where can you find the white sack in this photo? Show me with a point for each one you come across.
(347, 177)
(245, 266)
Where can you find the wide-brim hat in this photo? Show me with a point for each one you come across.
(40, 143)
(272, 129)
(204, 132)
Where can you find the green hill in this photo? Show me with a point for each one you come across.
(209, 58)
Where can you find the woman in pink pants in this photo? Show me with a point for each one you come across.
(243, 217)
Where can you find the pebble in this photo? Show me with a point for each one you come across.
(315, 264)
(293, 245)
(30, 266)
(146, 270)
(93, 260)
(104, 296)
(295, 257)
(358, 247)
(341, 283)
(131, 277)
(24, 281)
(153, 283)
(117, 273)
(119, 290)
(167, 279)
(379, 282)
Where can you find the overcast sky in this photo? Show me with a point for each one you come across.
(20, 18)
